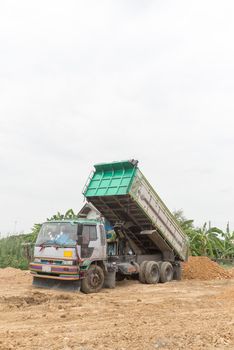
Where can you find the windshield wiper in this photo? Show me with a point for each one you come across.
(47, 243)
(55, 243)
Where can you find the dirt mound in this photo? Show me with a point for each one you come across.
(11, 272)
(23, 301)
(202, 268)
(16, 275)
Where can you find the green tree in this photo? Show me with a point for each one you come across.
(206, 240)
(228, 244)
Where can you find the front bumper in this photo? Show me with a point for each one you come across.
(63, 272)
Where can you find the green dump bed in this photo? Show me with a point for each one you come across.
(122, 194)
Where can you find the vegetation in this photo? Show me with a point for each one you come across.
(12, 250)
(206, 240)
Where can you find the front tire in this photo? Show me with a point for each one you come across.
(93, 281)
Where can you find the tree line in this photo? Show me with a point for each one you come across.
(207, 240)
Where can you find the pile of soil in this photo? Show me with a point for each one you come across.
(202, 268)
(16, 275)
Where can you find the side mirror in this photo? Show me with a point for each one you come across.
(80, 229)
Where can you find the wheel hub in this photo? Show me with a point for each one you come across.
(94, 279)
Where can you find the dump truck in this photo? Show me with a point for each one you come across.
(132, 235)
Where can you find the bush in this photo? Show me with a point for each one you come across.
(12, 251)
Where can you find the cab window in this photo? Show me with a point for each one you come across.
(89, 233)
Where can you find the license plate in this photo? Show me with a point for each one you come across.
(46, 268)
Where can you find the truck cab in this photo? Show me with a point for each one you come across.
(65, 249)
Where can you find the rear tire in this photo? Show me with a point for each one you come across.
(166, 272)
(177, 272)
(142, 272)
(93, 281)
(152, 272)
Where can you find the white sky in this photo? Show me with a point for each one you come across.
(83, 82)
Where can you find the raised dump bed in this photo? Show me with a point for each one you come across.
(122, 194)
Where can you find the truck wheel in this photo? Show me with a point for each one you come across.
(142, 272)
(166, 272)
(177, 272)
(152, 273)
(94, 280)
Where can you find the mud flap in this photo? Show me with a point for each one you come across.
(69, 286)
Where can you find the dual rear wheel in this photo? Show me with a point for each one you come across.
(152, 272)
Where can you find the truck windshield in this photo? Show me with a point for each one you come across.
(59, 234)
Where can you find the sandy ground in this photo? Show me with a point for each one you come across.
(178, 315)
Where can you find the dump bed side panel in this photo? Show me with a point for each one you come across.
(158, 214)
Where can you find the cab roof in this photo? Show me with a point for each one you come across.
(75, 221)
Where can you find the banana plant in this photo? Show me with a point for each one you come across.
(69, 215)
(228, 244)
(207, 240)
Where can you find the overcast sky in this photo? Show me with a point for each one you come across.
(84, 82)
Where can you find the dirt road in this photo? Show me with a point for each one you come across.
(177, 315)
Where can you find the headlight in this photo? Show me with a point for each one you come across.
(37, 260)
